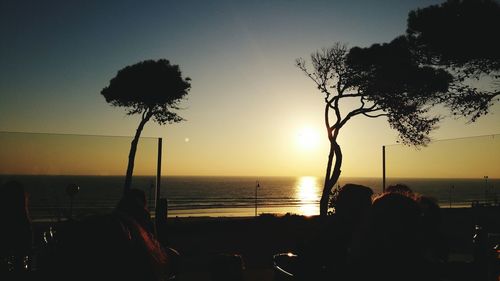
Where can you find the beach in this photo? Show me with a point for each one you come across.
(227, 196)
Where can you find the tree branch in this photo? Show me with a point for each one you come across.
(375, 116)
(320, 82)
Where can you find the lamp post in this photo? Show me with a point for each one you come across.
(451, 189)
(257, 185)
(485, 190)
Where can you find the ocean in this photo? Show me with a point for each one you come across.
(227, 196)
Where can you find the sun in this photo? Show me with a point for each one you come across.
(307, 138)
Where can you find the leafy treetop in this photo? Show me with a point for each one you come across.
(151, 88)
(459, 34)
(388, 76)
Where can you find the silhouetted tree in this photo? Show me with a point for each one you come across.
(384, 80)
(149, 88)
(461, 36)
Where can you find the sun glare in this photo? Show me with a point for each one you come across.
(307, 193)
(307, 138)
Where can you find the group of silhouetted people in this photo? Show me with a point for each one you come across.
(392, 236)
(121, 245)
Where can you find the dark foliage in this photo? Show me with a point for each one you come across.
(150, 88)
(462, 36)
(389, 76)
(462, 33)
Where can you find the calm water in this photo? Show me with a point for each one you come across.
(228, 196)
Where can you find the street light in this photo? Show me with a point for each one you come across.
(485, 189)
(451, 189)
(257, 185)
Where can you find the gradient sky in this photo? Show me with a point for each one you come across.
(248, 102)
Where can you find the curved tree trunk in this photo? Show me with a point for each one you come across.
(133, 150)
(331, 176)
(323, 203)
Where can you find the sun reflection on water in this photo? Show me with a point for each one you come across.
(308, 196)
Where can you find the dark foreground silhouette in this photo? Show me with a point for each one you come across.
(397, 236)
(16, 235)
(106, 247)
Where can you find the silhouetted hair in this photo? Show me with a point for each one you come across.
(391, 246)
(397, 217)
(399, 188)
(353, 199)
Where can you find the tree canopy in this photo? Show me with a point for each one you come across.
(388, 76)
(149, 87)
(461, 36)
(458, 33)
(152, 89)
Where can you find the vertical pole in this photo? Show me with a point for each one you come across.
(158, 178)
(451, 188)
(485, 189)
(383, 168)
(256, 186)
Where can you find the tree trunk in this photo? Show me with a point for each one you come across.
(323, 203)
(331, 176)
(133, 150)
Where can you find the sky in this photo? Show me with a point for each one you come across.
(250, 111)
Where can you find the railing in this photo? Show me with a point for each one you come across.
(457, 172)
(53, 166)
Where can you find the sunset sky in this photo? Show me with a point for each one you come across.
(250, 110)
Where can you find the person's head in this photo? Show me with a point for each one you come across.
(396, 219)
(353, 200)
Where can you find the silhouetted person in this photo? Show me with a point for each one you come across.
(435, 244)
(109, 247)
(353, 201)
(390, 248)
(327, 254)
(133, 204)
(16, 235)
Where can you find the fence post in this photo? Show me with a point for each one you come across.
(383, 168)
(158, 179)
